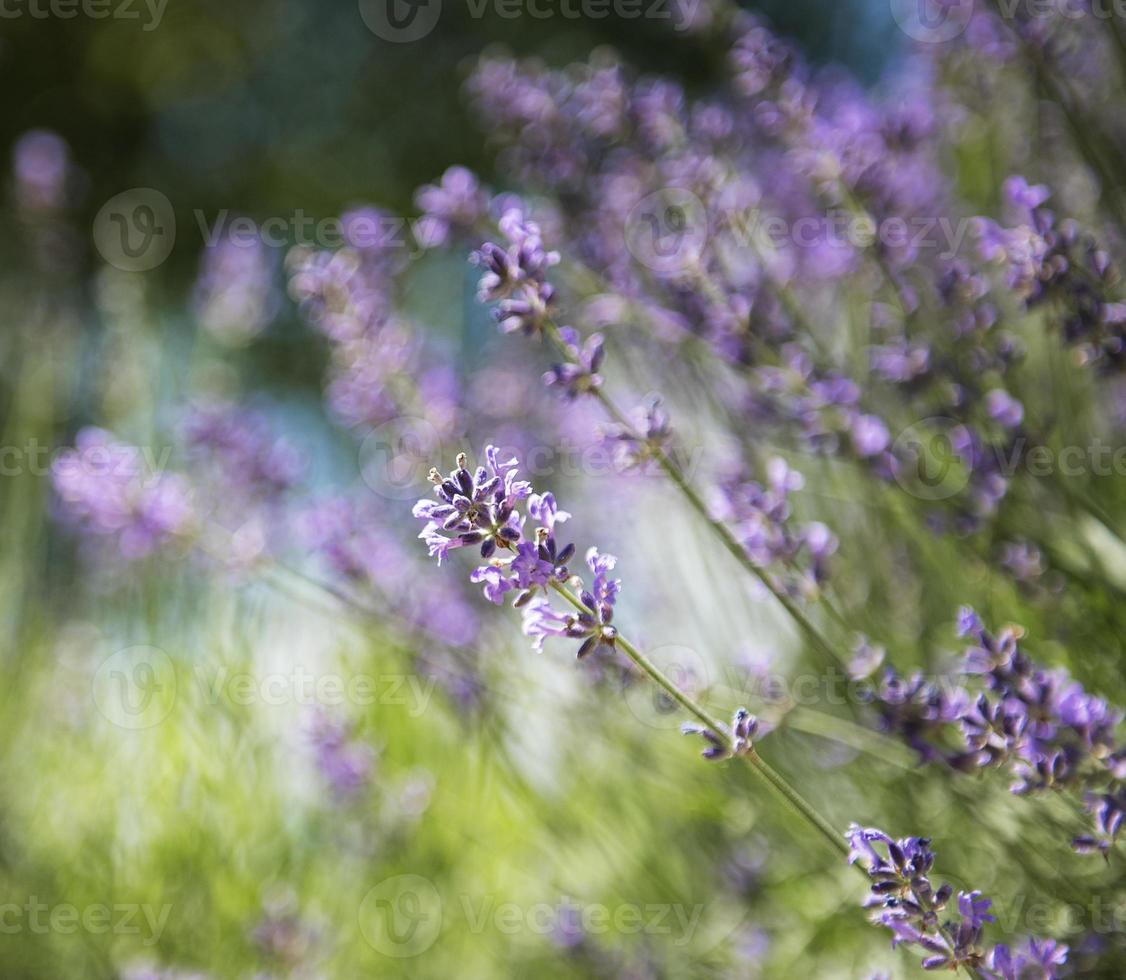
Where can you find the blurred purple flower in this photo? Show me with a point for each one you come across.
(236, 295)
(107, 489)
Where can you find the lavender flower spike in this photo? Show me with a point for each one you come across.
(106, 491)
(514, 276)
(477, 508)
(481, 508)
(903, 899)
(578, 374)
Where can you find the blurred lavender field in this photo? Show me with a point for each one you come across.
(429, 429)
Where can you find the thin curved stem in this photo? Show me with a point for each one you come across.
(793, 799)
(654, 672)
(689, 492)
(797, 802)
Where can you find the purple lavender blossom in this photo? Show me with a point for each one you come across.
(1023, 198)
(541, 621)
(107, 489)
(1024, 561)
(1039, 725)
(918, 710)
(869, 435)
(346, 763)
(281, 934)
(454, 206)
(637, 445)
(903, 899)
(795, 554)
(341, 293)
(235, 295)
(578, 374)
(1003, 408)
(866, 659)
(1035, 959)
(738, 740)
(41, 167)
(481, 508)
(514, 275)
(238, 444)
(355, 543)
(760, 60)
(593, 623)
(1054, 263)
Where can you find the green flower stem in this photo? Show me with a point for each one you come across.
(729, 541)
(790, 796)
(797, 803)
(654, 673)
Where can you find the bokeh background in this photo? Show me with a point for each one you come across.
(504, 813)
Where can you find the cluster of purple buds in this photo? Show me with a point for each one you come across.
(826, 407)
(1053, 263)
(282, 934)
(110, 490)
(903, 899)
(537, 562)
(350, 296)
(452, 207)
(1039, 725)
(761, 518)
(726, 745)
(915, 709)
(239, 445)
(1053, 733)
(236, 295)
(592, 624)
(358, 547)
(41, 168)
(514, 275)
(474, 508)
(760, 60)
(558, 124)
(637, 444)
(1023, 560)
(578, 373)
(1108, 810)
(482, 509)
(345, 762)
(345, 294)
